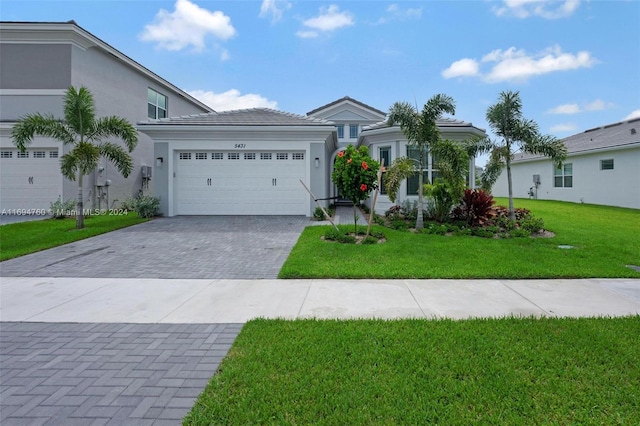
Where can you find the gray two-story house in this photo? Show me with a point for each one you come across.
(38, 63)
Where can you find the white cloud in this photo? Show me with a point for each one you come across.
(634, 114)
(517, 65)
(232, 100)
(463, 68)
(328, 20)
(274, 8)
(564, 128)
(597, 105)
(565, 109)
(188, 25)
(548, 9)
(394, 12)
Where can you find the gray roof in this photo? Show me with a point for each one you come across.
(441, 122)
(346, 98)
(620, 134)
(242, 117)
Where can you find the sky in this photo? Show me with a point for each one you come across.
(575, 63)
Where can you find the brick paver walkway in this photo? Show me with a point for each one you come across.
(116, 374)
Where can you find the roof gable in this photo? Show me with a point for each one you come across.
(347, 109)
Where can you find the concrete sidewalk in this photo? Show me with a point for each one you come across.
(115, 300)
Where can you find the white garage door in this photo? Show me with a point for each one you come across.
(240, 183)
(30, 180)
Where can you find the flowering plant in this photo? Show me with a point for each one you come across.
(355, 174)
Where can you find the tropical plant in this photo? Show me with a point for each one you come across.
(442, 201)
(85, 133)
(421, 130)
(476, 207)
(517, 133)
(355, 174)
(400, 169)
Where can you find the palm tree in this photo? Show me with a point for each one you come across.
(86, 133)
(506, 121)
(421, 130)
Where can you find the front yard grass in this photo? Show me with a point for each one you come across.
(18, 239)
(484, 371)
(605, 240)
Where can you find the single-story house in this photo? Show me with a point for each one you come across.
(254, 161)
(602, 167)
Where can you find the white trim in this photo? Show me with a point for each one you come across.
(32, 92)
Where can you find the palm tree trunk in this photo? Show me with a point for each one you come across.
(80, 205)
(512, 213)
(419, 217)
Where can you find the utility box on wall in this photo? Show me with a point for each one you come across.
(146, 172)
(536, 179)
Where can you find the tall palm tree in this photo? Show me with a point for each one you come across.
(506, 120)
(86, 133)
(421, 130)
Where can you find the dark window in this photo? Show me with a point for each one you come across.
(563, 176)
(385, 155)
(353, 131)
(606, 164)
(340, 131)
(156, 105)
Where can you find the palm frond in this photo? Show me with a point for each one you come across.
(115, 126)
(118, 156)
(79, 110)
(33, 125)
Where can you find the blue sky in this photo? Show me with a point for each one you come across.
(576, 63)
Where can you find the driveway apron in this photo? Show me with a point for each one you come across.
(216, 247)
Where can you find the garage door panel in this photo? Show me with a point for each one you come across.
(253, 184)
(30, 183)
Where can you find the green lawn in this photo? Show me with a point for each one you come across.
(495, 371)
(18, 239)
(606, 239)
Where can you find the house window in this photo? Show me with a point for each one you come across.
(265, 156)
(606, 164)
(53, 154)
(340, 131)
(282, 156)
(6, 154)
(413, 181)
(297, 156)
(385, 156)
(233, 156)
(217, 156)
(563, 176)
(39, 154)
(249, 155)
(156, 105)
(353, 131)
(201, 155)
(23, 154)
(185, 156)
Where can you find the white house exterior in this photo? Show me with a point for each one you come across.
(602, 167)
(388, 143)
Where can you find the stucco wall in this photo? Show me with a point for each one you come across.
(618, 187)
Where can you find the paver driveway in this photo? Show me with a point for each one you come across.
(231, 247)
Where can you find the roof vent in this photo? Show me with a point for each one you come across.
(633, 131)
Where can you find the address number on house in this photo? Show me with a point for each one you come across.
(240, 146)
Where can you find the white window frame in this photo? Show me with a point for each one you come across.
(155, 110)
(353, 131)
(340, 128)
(564, 175)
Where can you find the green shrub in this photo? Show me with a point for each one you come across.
(147, 206)
(436, 229)
(532, 224)
(60, 209)
(482, 232)
(129, 204)
(399, 225)
(346, 239)
(462, 231)
(519, 233)
(370, 240)
(318, 214)
(332, 234)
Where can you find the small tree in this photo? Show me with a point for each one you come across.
(86, 133)
(506, 120)
(400, 169)
(421, 130)
(355, 174)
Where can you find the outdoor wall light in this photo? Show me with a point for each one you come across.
(317, 162)
(159, 161)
